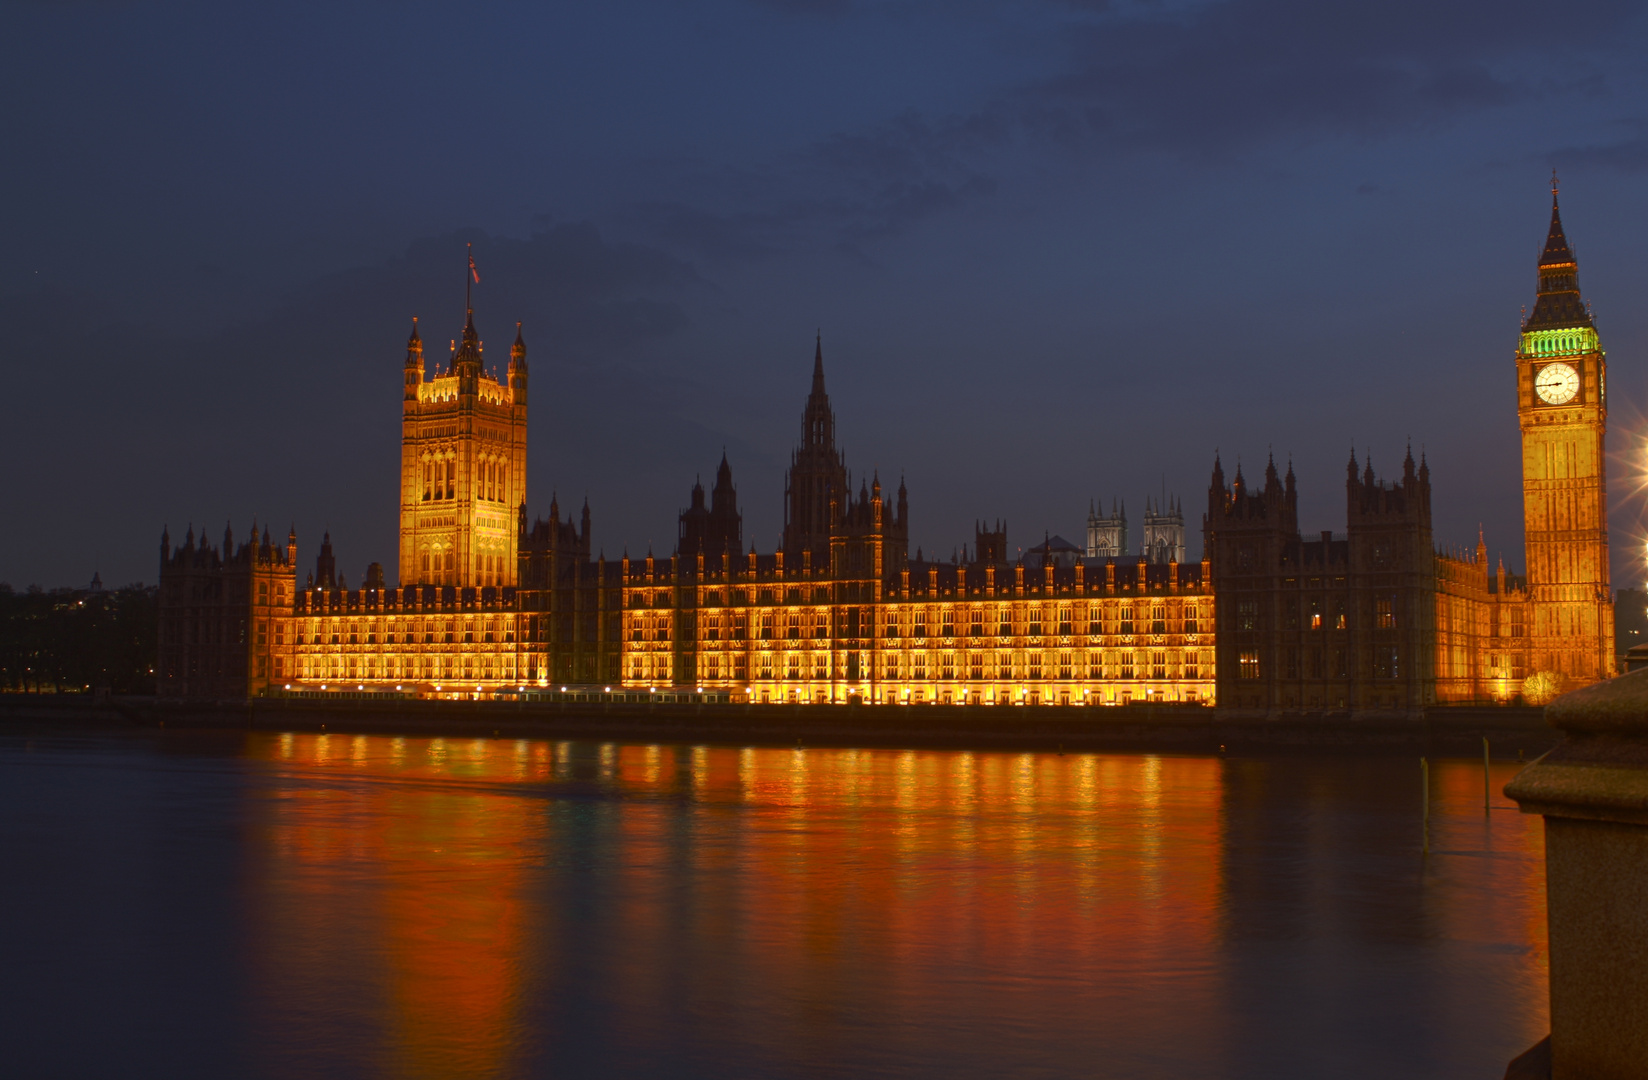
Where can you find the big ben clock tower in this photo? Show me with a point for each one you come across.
(1562, 403)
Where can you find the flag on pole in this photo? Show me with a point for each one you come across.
(472, 269)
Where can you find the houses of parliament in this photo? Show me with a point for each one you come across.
(488, 602)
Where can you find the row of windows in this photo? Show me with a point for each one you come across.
(1102, 666)
(1322, 663)
(427, 668)
(1317, 614)
(978, 667)
(439, 565)
(413, 630)
(798, 626)
(440, 479)
(827, 594)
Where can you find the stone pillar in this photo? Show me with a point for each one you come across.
(1593, 791)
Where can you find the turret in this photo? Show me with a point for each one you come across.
(725, 498)
(517, 367)
(414, 362)
(326, 566)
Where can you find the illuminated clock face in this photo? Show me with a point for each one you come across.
(1556, 384)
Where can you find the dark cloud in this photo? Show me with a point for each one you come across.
(1628, 155)
(1203, 79)
(720, 236)
(847, 188)
(1223, 74)
(592, 296)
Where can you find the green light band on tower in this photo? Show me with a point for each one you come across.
(1572, 341)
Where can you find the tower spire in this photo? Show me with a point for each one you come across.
(517, 352)
(818, 365)
(1559, 306)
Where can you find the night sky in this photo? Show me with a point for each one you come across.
(1057, 251)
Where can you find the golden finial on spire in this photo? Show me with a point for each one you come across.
(1553, 182)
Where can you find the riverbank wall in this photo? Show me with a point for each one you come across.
(1165, 728)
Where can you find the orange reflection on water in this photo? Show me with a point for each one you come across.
(416, 828)
(829, 904)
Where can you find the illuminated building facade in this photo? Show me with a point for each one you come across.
(841, 612)
(560, 624)
(488, 604)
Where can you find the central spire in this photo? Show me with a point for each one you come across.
(818, 366)
(815, 488)
(818, 419)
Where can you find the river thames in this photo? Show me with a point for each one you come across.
(301, 905)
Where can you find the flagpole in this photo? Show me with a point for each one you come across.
(468, 307)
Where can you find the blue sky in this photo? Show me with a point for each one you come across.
(1056, 250)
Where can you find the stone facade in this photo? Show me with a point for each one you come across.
(225, 616)
(1375, 618)
(463, 466)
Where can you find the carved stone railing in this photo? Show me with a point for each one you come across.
(1593, 791)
